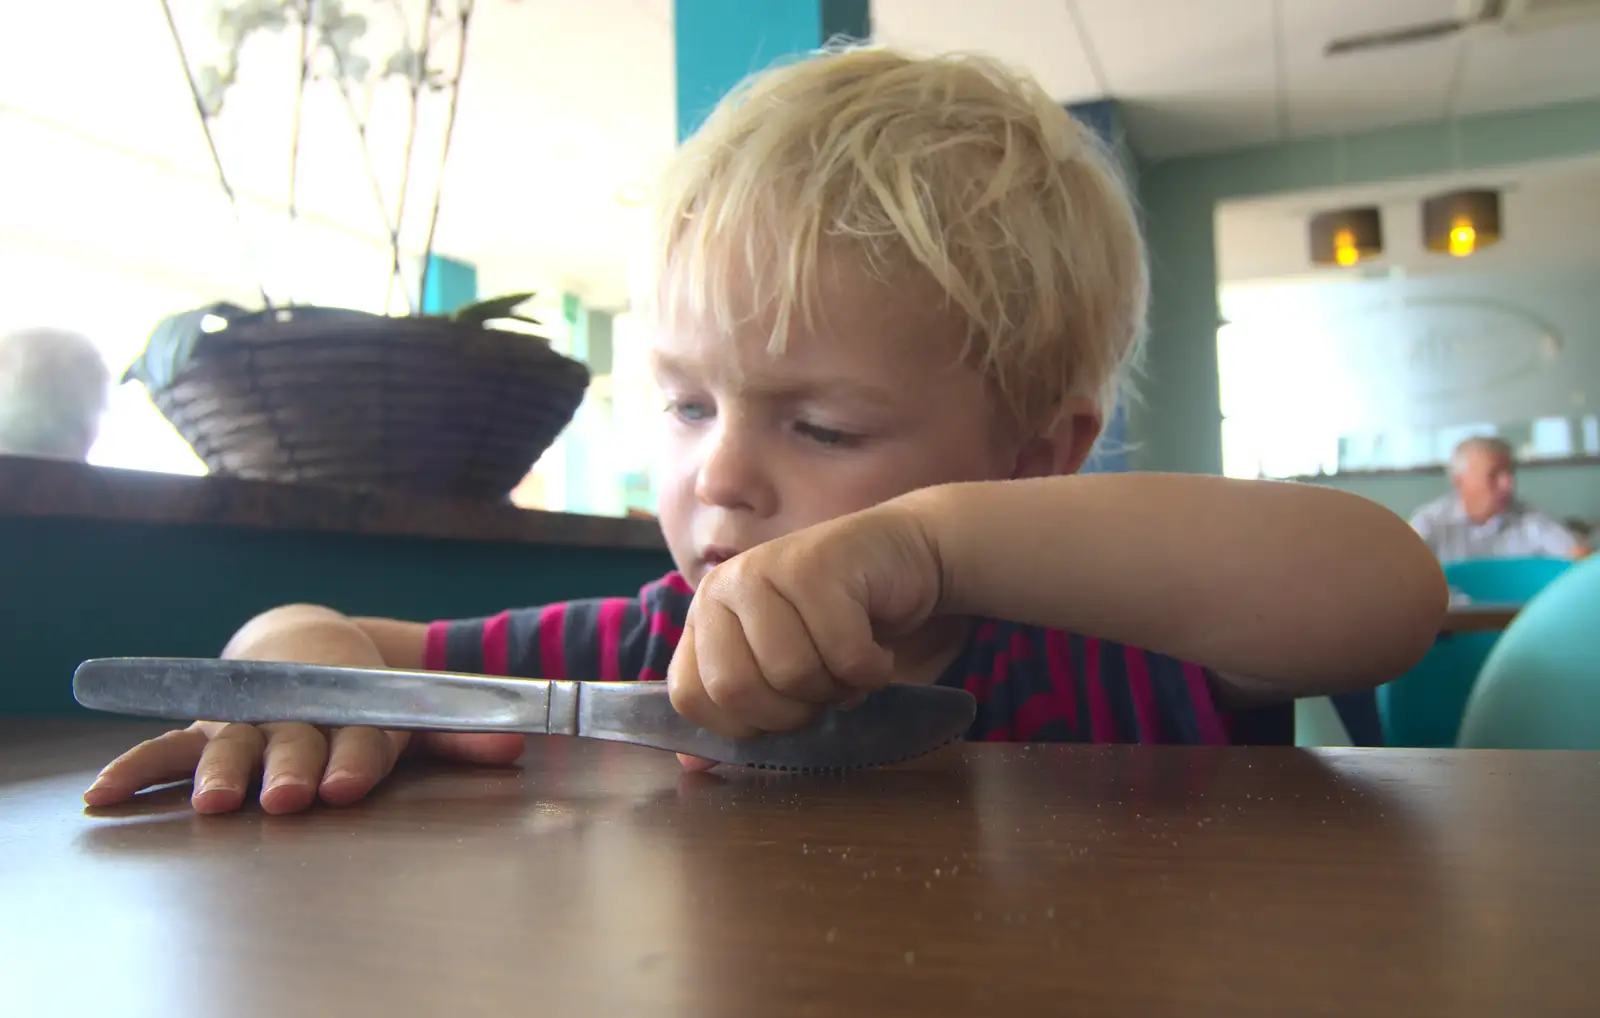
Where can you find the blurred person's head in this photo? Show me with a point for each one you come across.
(54, 386)
(1484, 474)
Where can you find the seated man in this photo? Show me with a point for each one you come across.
(53, 391)
(1483, 519)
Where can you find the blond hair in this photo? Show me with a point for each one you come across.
(954, 168)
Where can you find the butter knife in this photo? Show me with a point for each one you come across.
(893, 724)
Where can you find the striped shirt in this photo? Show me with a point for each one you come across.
(1031, 684)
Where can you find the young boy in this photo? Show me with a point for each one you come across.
(893, 301)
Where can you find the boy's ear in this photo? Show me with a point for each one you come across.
(1062, 447)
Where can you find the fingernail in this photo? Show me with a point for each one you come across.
(212, 785)
(337, 776)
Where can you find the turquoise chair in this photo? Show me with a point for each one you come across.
(1540, 687)
(1317, 723)
(1514, 580)
(1424, 706)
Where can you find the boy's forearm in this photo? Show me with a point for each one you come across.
(1306, 590)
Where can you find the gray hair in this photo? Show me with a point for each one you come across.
(54, 387)
(1470, 447)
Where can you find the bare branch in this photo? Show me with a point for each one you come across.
(305, 9)
(358, 121)
(216, 159)
(418, 74)
(464, 21)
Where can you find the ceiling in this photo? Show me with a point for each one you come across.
(1202, 75)
(569, 105)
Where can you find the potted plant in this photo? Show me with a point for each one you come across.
(453, 405)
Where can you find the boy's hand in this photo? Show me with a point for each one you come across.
(797, 623)
(297, 763)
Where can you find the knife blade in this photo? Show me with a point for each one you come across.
(895, 723)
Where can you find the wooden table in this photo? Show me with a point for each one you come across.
(984, 880)
(1479, 617)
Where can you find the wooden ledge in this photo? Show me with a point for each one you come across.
(53, 488)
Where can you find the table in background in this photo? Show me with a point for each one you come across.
(1479, 618)
(983, 880)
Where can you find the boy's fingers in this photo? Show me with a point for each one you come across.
(168, 757)
(786, 656)
(841, 631)
(738, 701)
(358, 758)
(291, 766)
(472, 747)
(230, 759)
(688, 691)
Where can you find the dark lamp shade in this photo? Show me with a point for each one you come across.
(1346, 236)
(1461, 222)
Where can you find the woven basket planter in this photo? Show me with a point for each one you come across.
(428, 406)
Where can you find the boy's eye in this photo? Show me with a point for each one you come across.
(825, 436)
(688, 410)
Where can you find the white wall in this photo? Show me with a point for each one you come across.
(1404, 355)
(1420, 353)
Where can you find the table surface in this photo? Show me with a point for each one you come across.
(1480, 617)
(983, 880)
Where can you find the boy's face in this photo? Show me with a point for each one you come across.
(867, 402)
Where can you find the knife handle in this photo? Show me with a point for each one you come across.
(561, 716)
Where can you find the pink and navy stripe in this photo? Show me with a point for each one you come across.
(1039, 685)
(1032, 684)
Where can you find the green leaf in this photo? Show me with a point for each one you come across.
(175, 338)
(492, 308)
(172, 342)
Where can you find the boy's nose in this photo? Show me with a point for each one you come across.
(733, 474)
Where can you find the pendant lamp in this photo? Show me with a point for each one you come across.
(1461, 222)
(1346, 236)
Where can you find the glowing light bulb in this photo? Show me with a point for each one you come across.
(1463, 238)
(1345, 251)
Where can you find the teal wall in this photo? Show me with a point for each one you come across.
(1111, 453)
(451, 284)
(1176, 423)
(76, 589)
(719, 43)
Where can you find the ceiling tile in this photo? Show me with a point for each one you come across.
(1205, 81)
(1035, 35)
(1513, 70)
(1330, 95)
(1212, 45)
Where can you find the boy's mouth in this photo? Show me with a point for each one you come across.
(714, 556)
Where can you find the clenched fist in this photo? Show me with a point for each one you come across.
(790, 626)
